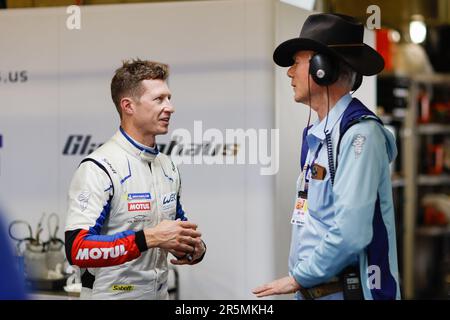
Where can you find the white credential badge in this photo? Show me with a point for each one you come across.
(300, 212)
(301, 205)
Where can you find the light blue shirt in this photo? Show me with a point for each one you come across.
(339, 223)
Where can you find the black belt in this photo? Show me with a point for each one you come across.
(322, 290)
(348, 282)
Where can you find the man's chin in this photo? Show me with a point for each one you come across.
(162, 131)
(300, 100)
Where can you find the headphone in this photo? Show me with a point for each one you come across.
(325, 71)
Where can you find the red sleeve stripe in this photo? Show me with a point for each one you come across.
(91, 251)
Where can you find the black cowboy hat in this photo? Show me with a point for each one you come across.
(338, 35)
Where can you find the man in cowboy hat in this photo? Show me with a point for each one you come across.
(343, 242)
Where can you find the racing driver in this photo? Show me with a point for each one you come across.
(124, 211)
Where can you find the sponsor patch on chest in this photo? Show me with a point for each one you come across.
(139, 206)
(139, 196)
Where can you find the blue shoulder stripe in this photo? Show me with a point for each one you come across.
(96, 229)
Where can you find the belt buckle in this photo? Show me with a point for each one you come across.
(315, 292)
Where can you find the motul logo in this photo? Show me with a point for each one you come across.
(101, 253)
(139, 206)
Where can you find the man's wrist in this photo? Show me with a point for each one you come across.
(295, 283)
(150, 239)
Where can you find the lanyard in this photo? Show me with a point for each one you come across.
(303, 190)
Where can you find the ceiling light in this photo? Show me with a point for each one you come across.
(417, 29)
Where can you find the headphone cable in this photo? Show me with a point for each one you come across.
(329, 142)
(328, 111)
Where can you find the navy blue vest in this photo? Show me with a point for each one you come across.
(353, 114)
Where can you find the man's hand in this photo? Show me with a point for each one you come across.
(178, 236)
(281, 286)
(188, 258)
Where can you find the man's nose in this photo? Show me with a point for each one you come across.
(169, 107)
(290, 72)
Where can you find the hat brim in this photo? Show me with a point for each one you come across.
(363, 59)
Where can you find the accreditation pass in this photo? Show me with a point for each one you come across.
(300, 211)
(301, 204)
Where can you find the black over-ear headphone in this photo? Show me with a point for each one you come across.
(323, 69)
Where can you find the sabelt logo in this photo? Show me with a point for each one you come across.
(139, 206)
(101, 253)
(122, 287)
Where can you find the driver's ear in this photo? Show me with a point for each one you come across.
(127, 105)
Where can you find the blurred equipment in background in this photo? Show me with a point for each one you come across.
(437, 209)
(440, 105)
(43, 263)
(29, 249)
(447, 154)
(54, 247)
(437, 46)
(410, 59)
(392, 102)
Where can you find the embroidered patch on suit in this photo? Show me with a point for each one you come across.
(358, 143)
(83, 199)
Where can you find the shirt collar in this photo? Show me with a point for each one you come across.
(137, 149)
(333, 116)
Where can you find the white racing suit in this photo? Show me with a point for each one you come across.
(116, 192)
